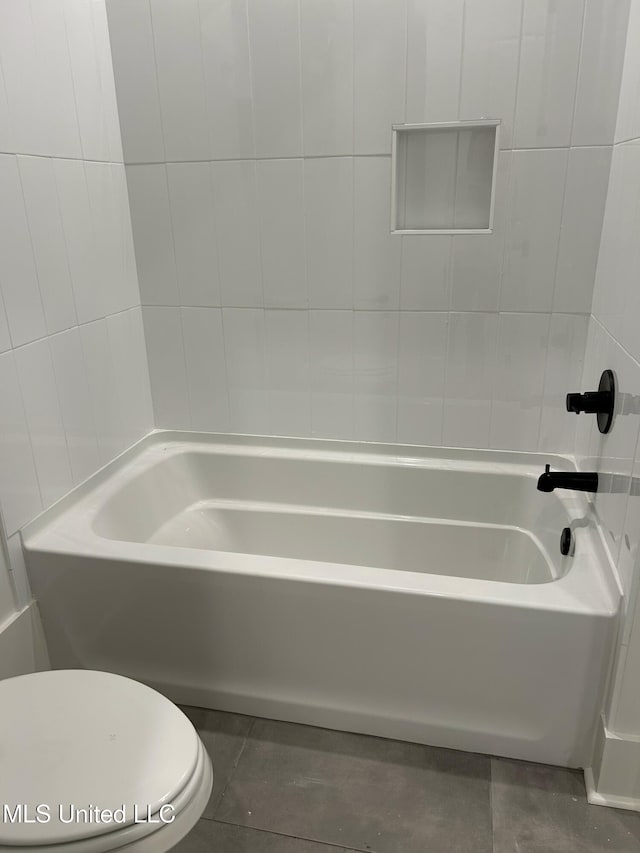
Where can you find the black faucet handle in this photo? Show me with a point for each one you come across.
(600, 402)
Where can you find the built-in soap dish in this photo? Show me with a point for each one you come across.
(443, 177)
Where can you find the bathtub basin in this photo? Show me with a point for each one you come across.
(412, 593)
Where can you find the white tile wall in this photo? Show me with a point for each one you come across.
(294, 216)
(628, 118)
(277, 96)
(47, 239)
(377, 253)
(518, 381)
(612, 342)
(422, 346)
(329, 222)
(281, 215)
(434, 60)
(194, 233)
(534, 215)
(287, 367)
(470, 368)
(236, 219)
(326, 46)
(73, 371)
(548, 72)
(490, 58)
(331, 373)
(603, 44)
(379, 72)
(206, 369)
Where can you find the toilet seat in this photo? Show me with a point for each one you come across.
(95, 739)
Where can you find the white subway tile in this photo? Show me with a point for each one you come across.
(244, 344)
(581, 227)
(57, 97)
(434, 60)
(236, 217)
(281, 207)
(533, 230)
(616, 298)
(331, 362)
(7, 141)
(227, 73)
(134, 68)
(377, 252)
(425, 283)
(92, 120)
(421, 366)
(167, 367)
(183, 101)
(206, 368)
(125, 291)
(565, 357)
(287, 362)
(19, 488)
(75, 404)
(277, 102)
(477, 259)
(379, 72)
(519, 381)
(603, 44)
(40, 396)
(328, 198)
(586, 443)
(110, 130)
(628, 120)
(375, 371)
(471, 360)
(327, 76)
(103, 390)
(113, 272)
(194, 233)
(549, 59)
(490, 63)
(18, 275)
(615, 451)
(129, 359)
(21, 72)
(82, 253)
(47, 239)
(152, 234)
(5, 337)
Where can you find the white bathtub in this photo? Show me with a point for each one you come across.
(413, 593)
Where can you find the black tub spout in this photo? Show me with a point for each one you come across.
(581, 482)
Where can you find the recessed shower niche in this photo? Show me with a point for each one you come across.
(443, 177)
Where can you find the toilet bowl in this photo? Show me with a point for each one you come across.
(92, 762)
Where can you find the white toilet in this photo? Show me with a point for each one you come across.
(93, 762)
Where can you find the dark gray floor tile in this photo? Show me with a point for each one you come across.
(223, 736)
(541, 809)
(208, 836)
(360, 792)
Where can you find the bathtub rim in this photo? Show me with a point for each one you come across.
(590, 586)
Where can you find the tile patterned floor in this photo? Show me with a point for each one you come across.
(286, 788)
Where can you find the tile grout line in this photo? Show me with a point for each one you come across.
(328, 844)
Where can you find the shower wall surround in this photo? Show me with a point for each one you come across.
(257, 140)
(73, 375)
(613, 342)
